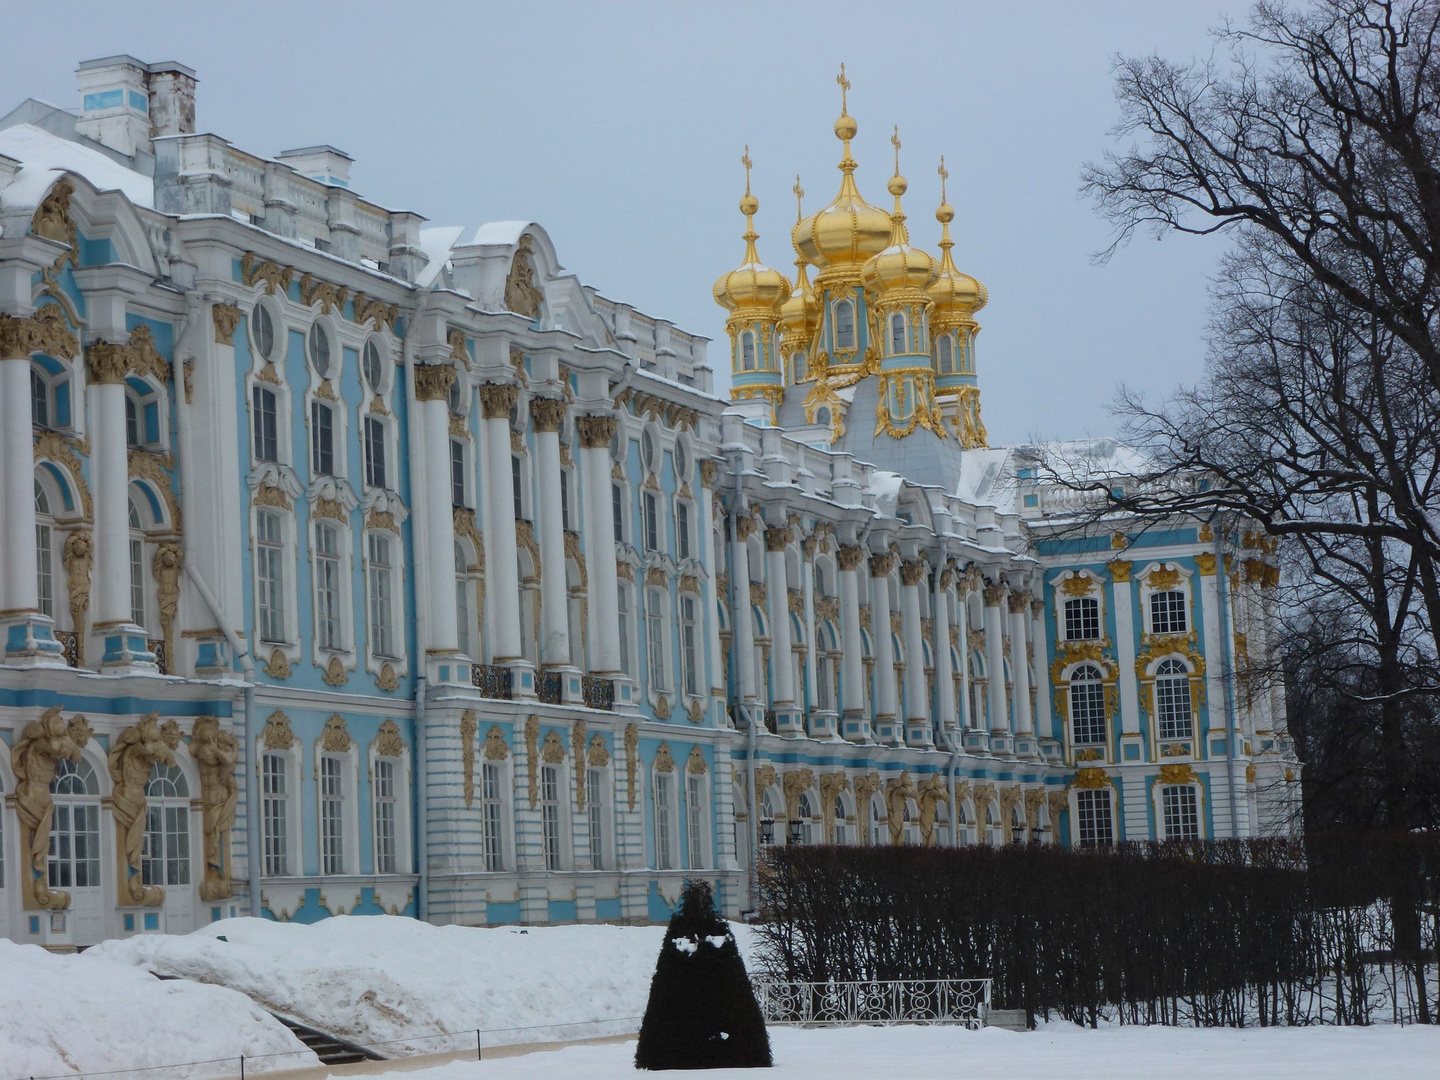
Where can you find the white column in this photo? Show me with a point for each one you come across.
(709, 559)
(502, 583)
(812, 638)
(995, 658)
(1125, 648)
(852, 659)
(595, 433)
(1019, 663)
(885, 708)
(548, 414)
(19, 591)
(918, 731)
(107, 366)
(962, 632)
(1044, 722)
(1209, 593)
(946, 718)
(432, 390)
(778, 594)
(742, 627)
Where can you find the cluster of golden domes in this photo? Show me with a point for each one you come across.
(850, 243)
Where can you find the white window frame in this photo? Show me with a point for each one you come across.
(289, 770)
(286, 562)
(898, 321)
(690, 645)
(168, 811)
(599, 811)
(1074, 687)
(375, 431)
(495, 813)
(697, 804)
(343, 644)
(748, 361)
(45, 561)
(347, 769)
(136, 560)
(381, 590)
(552, 805)
(846, 341)
(657, 659)
(64, 834)
(945, 355)
(625, 619)
(1183, 676)
(665, 811)
(1104, 828)
(401, 803)
(1164, 808)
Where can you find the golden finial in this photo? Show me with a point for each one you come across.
(944, 175)
(895, 142)
(844, 90)
(799, 194)
(745, 160)
(945, 213)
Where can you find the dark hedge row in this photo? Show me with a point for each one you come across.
(1217, 933)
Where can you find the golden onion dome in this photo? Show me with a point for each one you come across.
(849, 230)
(953, 290)
(899, 266)
(752, 284)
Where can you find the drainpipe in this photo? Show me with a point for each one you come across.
(420, 579)
(238, 648)
(752, 867)
(1227, 644)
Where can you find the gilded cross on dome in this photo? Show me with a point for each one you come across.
(944, 175)
(844, 90)
(745, 160)
(895, 142)
(799, 194)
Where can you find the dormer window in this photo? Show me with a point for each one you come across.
(845, 325)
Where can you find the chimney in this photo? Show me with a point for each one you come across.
(322, 163)
(125, 102)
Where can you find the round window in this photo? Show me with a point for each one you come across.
(647, 449)
(682, 461)
(374, 370)
(264, 329)
(320, 350)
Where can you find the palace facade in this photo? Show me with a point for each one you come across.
(353, 565)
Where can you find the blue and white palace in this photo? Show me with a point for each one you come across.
(351, 565)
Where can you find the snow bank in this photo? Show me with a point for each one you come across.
(67, 1014)
(386, 979)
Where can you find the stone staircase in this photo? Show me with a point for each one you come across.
(330, 1049)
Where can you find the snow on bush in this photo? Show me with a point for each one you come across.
(69, 1014)
(387, 979)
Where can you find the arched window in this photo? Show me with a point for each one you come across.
(137, 568)
(320, 350)
(165, 859)
(842, 824)
(75, 829)
(1172, 699)
(44, 551)
(946, 355)
(798, 367)
(1167, 612)
(878, 821)
(979, 705)
(40, 411)
(462, 602)
(747, 351)
(1082, 619)
(802, 830)
(897, 333)
(373, 367)
(262, 329)
(1087, 706)
(844, 325)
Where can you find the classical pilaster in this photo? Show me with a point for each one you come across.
(743, 623)
(1019, 603)
(856, 723)
(1131, 748)
(886, 709)
(946, 719)
(502, 580)
(789, 718)
(548, 414)
(432, 389)
(1001, 741)
(1044, 721)
(918, 729)
(709, 557)
(822, 723)
(594, 434)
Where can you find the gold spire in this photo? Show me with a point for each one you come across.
(845, 129)
(797, 315)
(752, 282)
(955, 293)
(899, 266)
(799, 195)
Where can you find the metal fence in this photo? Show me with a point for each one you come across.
(907, 1001)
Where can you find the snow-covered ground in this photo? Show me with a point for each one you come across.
(1056, 1051)
(379, 979)
(63, 1014)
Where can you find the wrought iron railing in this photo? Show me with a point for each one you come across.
(547, 687)
(599, 693)
(492, 681)
(771, 724)
(907, 1001)
(157, 646)
(70, 643)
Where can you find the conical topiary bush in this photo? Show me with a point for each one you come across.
(702, 1012)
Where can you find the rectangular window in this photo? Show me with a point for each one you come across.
(550, 815)
(1082, 619)
(132, 423)
(44, 570)
(374, 452)
(515, 484)
(650, 522)
(39, 399)
(617, 511)
(457, 473)
(1182, 812)
(384, 799)
(595, 811)
(565, 500)
(382, 634)
(490, 793)
(682, 530)
(322, 440)
(1087, 712)
(327, 585)
(75, 846)
(165, 853)
(263, 418)
(1167, 612)
(270, 575)
(663, 858)
(1093, 809)
(332, 816)
(622, 604)
(274, 815)
(694, 819)
(137, 581)
(689, 651)
(655, 638)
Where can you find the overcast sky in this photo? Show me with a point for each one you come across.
(620, 128)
